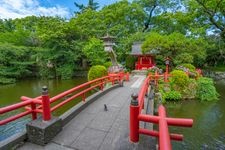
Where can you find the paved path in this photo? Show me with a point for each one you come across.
(96, 129)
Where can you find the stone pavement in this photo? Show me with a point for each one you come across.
(97, 129)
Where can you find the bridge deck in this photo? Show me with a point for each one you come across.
(97, 129)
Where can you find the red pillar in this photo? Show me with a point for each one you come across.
(134, 122)
(164, 137)
(46, 104)
(34, 114)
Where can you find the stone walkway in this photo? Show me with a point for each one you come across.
(97, 129)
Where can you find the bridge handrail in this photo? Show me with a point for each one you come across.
(36, 104)
(137, 104)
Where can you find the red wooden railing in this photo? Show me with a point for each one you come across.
(137, 104)
(43, 104)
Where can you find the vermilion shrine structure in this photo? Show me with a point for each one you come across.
(144, 61)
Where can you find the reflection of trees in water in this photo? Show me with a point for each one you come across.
(13, 127)
(208, 128)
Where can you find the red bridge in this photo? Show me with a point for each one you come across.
(104, 124)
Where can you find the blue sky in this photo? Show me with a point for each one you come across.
(22, 8)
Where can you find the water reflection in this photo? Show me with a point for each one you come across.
(10, 94)
(208, 131)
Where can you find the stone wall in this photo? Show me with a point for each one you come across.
(215, 75)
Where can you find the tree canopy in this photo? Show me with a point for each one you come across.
(189, 31)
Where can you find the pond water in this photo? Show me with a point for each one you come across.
(208, 131)
(10, 94)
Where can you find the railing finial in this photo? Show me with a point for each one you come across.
(44, 90)
(134, 100)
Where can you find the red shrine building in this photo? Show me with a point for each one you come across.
(144, 61)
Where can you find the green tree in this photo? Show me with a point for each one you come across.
(91, 5)
(176, 44)
(94, 51)
(208, 14)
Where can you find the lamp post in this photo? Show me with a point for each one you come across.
(167, 62)
(108, 47)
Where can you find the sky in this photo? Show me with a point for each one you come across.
(22, 8)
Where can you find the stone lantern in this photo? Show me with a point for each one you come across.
(108, 47)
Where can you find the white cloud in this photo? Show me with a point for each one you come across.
(22, 8)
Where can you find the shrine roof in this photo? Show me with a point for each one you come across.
(136, 50)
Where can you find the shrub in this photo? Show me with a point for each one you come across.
(65, 72)
(179, 78)
(96, 72)
(108, 64)
(172, 96)
(206, 90)
(190, 91)
(189, 66)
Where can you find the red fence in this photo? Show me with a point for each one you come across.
(42, 104)
(137, 104)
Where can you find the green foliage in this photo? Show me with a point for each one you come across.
(4, 80)
(152, 70)
(91, 5)
(96, 72)
(130, 62)
(94, 51)
(183, 58)
(65, 72)
(108, 64)
(172, 96)
(209, 15)
(189, 91)
(179, 79)
(189, 66)
(15, 62)
(54, 47)
(206, 90)
(176, 45)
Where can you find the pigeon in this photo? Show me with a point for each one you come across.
(105, 107)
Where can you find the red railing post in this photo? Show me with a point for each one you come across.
(128, 76)
(134, 122)
(112, 77)
(46, 104)
(156, 78)
(121, 76)
(164, 137)
(166, 76)
(102, 84)
(34, 114)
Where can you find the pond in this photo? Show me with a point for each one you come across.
(10, 94)
(208, 131)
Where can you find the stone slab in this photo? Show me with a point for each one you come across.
(90, 139)
(50, 146)
(41, 132)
